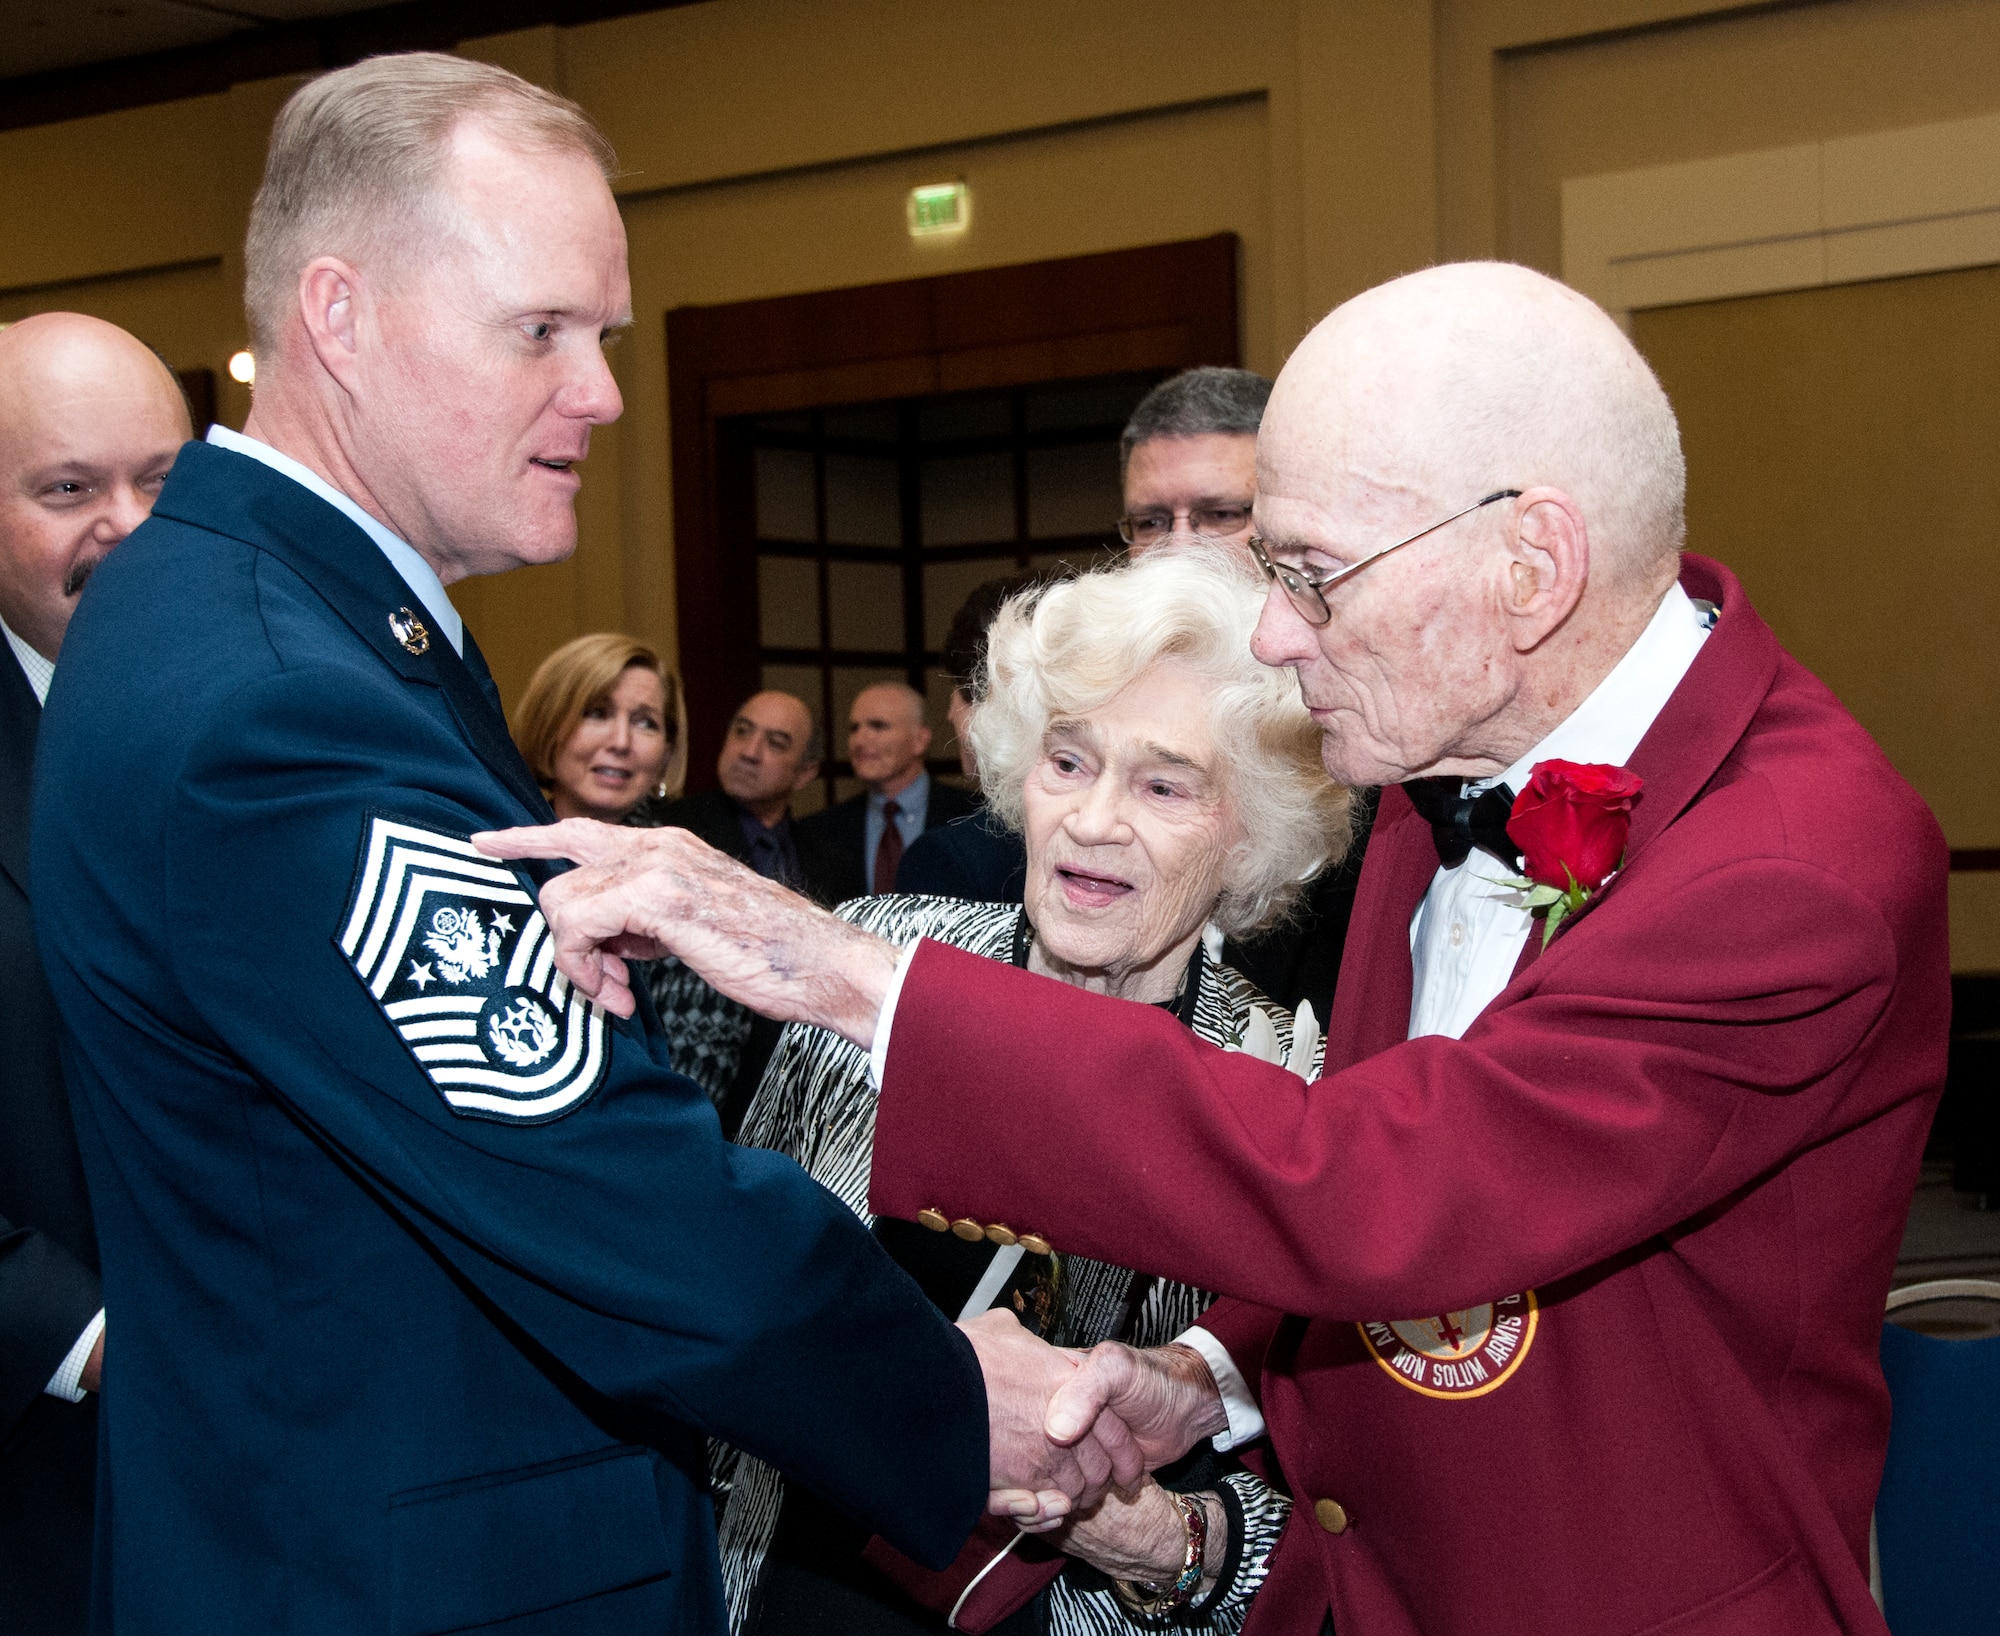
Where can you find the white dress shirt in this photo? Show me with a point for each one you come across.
(416, 573)
(39, 671)
(63, 1383)
(1467, 934)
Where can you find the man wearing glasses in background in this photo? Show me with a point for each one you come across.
(1188, 459)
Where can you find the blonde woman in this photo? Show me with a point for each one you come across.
(603, 726)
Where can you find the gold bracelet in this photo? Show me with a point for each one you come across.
(1153, 1602)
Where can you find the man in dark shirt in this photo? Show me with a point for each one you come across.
(772, 752)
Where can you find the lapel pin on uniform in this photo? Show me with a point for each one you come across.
(408, 629)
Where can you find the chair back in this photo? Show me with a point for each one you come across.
(1937, 1518)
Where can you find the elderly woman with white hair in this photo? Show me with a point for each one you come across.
(1168, 786)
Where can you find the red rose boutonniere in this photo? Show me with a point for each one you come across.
(1570, 824)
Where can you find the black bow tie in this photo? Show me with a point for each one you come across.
(1461, 822)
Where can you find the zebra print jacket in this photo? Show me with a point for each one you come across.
(817, 1104)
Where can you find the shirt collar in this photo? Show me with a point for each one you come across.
(39, 671)
(910, 798)
(416, 573)
(1607, 727)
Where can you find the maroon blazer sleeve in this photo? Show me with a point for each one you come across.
(1246, 1332)
(1691, 1031)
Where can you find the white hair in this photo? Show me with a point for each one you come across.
(1071, 647)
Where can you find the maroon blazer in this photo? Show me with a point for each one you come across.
(1588, 1303)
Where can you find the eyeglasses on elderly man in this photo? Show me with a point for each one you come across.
(1307, 591)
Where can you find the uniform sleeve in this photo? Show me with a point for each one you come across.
(1631, 1086)
(661, 1266)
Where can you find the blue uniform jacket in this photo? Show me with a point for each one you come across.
(425, 1276)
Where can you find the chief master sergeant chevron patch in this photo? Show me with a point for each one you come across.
(460, 961)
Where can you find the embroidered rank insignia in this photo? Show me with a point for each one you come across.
(1456, 1354)
(458, 956)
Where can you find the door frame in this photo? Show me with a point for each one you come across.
(1161, 307)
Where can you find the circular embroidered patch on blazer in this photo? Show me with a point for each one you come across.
(1456, 1354)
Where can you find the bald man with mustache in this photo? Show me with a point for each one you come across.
(90, 422)
(1560, 1294)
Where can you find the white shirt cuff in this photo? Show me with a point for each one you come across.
(63, 1383)
(1246, 1420)
(878, 1050)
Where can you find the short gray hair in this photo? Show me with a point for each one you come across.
(357, 157)
(1073, 646)
(1200, 402)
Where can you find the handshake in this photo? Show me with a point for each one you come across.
(1066, 1427)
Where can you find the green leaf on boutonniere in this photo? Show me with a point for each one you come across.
(1562, 904)
(1554, 904)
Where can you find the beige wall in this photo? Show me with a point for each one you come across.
(767, 145)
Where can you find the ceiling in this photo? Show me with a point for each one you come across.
(65, 59)
(39, 35)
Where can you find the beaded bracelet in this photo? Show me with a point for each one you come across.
(1154, 1603)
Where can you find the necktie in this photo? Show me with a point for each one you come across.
(889, 853)
(1461, 822)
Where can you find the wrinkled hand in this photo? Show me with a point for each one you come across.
(1140, 1535)
(640, 893)
(1144, 1407)
(1035, 1482)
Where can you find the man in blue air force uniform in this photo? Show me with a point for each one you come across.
(430, 1277)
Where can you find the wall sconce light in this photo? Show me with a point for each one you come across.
(243, 367)
(939, 207)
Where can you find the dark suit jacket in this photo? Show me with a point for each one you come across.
(431, 1279)
(976, 858)
(841, 830)
(48, 1251)
(714, 817)
(1622, 1248)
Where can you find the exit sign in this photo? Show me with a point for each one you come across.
(939, 207)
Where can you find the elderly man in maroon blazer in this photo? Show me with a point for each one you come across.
(1559, 1294)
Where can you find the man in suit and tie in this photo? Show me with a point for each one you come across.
(90, 422)
(867, 834)
(432, 1279)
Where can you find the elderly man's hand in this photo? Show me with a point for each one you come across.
(1143, 1408)
(641, 893)
(1036, 1482)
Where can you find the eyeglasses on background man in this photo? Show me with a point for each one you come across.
(1213, 520)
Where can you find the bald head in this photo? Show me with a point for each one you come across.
(886, 736)
(1462, 379)
(1462, 649)
(90, 422)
